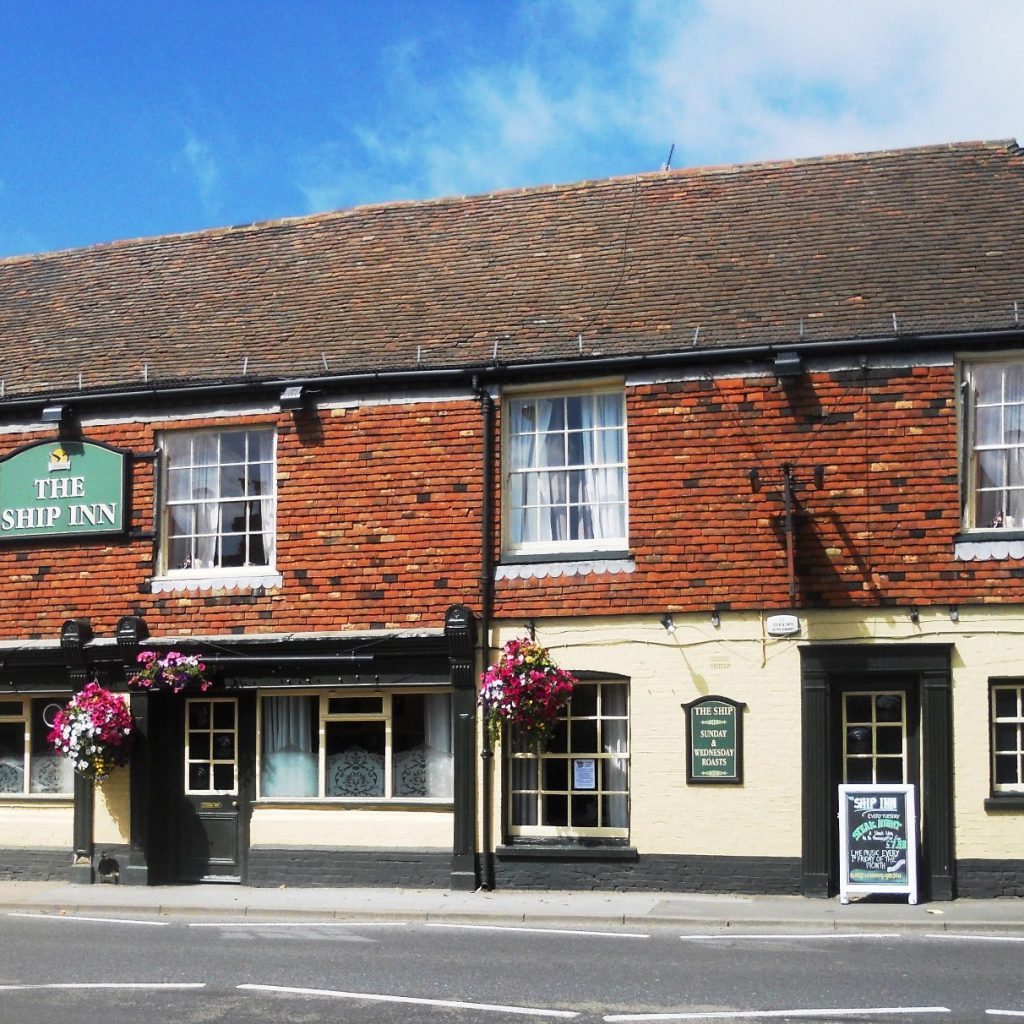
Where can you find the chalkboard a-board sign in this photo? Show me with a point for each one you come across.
(877, 840)
(714, 740)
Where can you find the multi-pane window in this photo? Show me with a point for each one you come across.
(996, 446)
(579, 784)
(566, 472)
(874, 737)
(218, 499)
(28, 763)
(1008, 737)
(211, 745)
(373, 746)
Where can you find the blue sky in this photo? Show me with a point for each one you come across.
(123, 119)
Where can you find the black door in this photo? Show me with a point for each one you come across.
(216, 773)
(877, 713)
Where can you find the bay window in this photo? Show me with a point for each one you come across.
(565, 480)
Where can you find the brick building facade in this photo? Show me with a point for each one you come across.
(643, 419)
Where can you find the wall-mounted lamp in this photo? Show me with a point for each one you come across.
(915, 615)
(788, 364)
(293, 399)
(716, 619)
(666, 621)
(954, 613)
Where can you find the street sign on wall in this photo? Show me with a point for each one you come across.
(877, 840)
(714, 740)
(62, 488)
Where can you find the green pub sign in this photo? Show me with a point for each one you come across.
(62, 489)
(714, 740)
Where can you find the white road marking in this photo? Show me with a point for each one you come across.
(94, 920)
(861, 1011)
(1006, 1013)
(108, 984)
(798, 936)
(965, 937)
(298, 924)
(374, 997)
(541, 931)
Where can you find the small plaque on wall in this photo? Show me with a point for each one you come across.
(714, 740)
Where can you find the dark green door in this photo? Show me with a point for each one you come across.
(216, 776)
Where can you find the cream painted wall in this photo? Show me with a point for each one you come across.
(334, 825)
(112, 821)
(37, 824)
(738, 660)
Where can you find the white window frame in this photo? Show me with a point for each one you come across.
(874, 757)
(212, 760)
(24, 718)
(1017, 722)
(324, 717)
(256, 573)
(575, 547)
(569, 757)
(971, 450)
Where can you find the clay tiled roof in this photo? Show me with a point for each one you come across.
(748, 254)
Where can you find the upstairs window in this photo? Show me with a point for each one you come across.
(219, 500)
(566, 473)
(995, 446)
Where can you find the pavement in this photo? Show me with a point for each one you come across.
(690, 912)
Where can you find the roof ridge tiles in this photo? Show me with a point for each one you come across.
(397, 205)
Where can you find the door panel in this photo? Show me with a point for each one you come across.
(215, 777)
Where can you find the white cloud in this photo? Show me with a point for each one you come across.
(600, 88)
(204, 168)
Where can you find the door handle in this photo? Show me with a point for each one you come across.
(234, 803)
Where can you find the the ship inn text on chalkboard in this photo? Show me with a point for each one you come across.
(877, 840)
(714, 740)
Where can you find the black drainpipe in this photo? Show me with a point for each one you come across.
(486, 613)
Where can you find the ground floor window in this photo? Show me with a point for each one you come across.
(379, 746)
(578, 785)
(28, 764)
(1007, 709)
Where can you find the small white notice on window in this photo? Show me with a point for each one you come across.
(584, 773)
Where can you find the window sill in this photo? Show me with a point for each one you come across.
(540, 567)
(567, 850)
(442, 804)
(37, 798)
(1006, 802)
(240, 579)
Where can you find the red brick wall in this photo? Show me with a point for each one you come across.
(379, 515)
(378, 527)
(876, 526)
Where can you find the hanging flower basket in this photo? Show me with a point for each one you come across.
(94, 729)
(173, 671)
(525, 688)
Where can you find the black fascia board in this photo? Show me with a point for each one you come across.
(498, 372)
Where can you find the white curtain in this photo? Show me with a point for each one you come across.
(289, 762)
(1013, 438)
(603, 457)
(437, 741)
(265, 455)
(205, 491)
(533, 516)
(615, 741)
